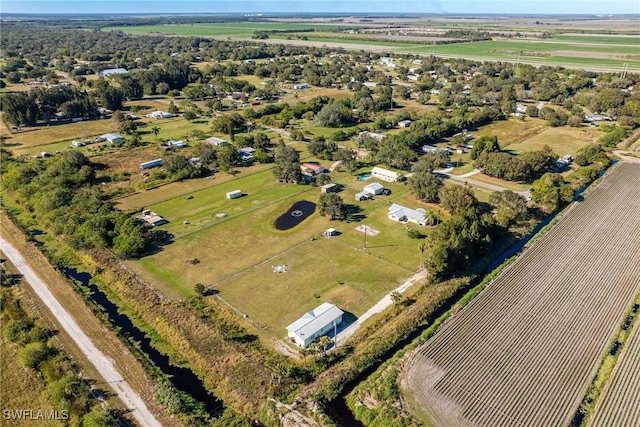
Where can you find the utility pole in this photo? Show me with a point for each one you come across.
(364, 246)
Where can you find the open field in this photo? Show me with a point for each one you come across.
(618, 405)
(562, 140)
(524, 351)
(236, 252)
(218, 29)
(599, 52)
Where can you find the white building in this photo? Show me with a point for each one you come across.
(159, 115)
(320, 321)
(151, 218)
(374, 188)
(177, 144)
(217, 142)
(404, 214)
(113, 137)
(385, 174)
(404, 123)
(113, 71)
(234, 194)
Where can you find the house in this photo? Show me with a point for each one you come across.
(370, 84)
(246, 153)
(374, 135)
(177, 144)
(216, 142)
(404, 123)
(386, 175)
(311, 169)
(363, 195)
(151, 164)
(113, 138)
(234, 194)
(561, 164)
(159, 115)
(432, 149)
(300, 86)
(329, 188)
(320, 321)
(567, 158)
(520, 108)
(77, 143)
(403, 214)
(113, 71)
(152, 219)
(374, 188)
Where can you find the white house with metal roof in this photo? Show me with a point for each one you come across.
(315, 323)
(385, 174)
(404, 214)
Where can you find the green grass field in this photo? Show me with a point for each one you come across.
(236, 252)
(219, 29)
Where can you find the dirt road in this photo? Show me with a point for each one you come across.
(102, 363)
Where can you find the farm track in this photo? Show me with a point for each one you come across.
(525, 350)
(619, 405)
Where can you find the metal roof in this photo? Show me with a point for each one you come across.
(314, 320)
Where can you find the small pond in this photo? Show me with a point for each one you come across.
(297, 213)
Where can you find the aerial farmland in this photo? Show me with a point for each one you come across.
(525, 350)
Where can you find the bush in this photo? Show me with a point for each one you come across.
(33, 354)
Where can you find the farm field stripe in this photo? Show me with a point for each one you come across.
(523, 352)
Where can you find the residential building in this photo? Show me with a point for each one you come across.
(151, 164)
(404, 123)
(113, 138)
(152, 219)
(320, 321)
(386, 175)
(404, 214)
(217, 142)
(113, 71)
(311, 169)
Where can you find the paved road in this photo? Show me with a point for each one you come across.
(102, 363)
(380, 306)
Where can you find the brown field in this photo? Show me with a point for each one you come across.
(562, 140)
(524, 351)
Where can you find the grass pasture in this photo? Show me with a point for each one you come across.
(236, 252)
(562, 140)
(236, 29)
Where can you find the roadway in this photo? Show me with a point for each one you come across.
(102, 363)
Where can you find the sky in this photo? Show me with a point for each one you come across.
(325, 6)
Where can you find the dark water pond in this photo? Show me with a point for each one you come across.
(182, 378)
(297, 213)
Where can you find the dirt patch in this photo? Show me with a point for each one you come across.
(366, 229)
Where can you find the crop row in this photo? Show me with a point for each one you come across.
(524, 351)
(620, 403)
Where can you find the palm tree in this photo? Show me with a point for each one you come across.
(422, 247)
(324, 342)
(155, 131)
(396, 297)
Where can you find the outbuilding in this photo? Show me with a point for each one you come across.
(113, 138)
(404, 123)
(320, 321)
(375, 188)
(234, 194)
(329, 188)
(151, 164)
(113, 71)
(363, 195)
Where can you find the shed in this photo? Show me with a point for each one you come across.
(374, 188)
(216, 141)
(404, 123)
(320, 321)
(113, 138)
(234, 194)
(151, 164)
(177, 144)
(330, 232)
(301, 86)
(385, 174)
(151, 218)
(363, 195)
(329, 188)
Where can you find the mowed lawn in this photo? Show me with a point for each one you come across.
(322, 270)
